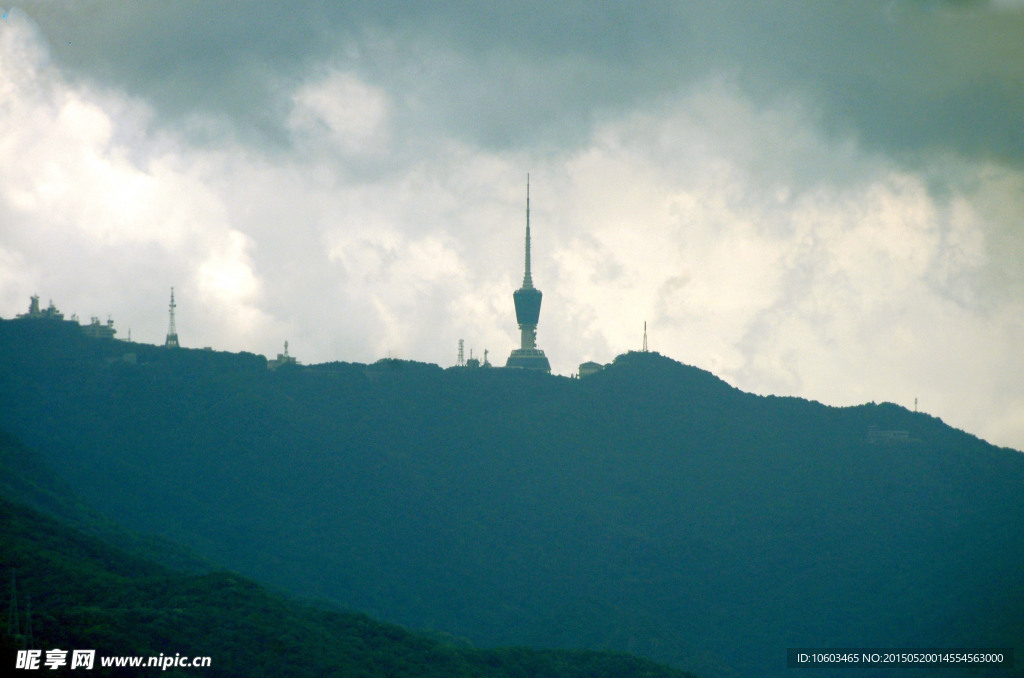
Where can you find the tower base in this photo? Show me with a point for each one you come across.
(528, 359)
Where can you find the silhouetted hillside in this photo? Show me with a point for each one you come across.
(649, 508)
(88, 595)
(26, 480)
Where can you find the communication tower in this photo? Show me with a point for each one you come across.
(172, 331)
(645, 337)
(527, 302)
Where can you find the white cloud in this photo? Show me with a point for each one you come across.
(851, 283)
(100, 218)
(342, 109)
(754, 243)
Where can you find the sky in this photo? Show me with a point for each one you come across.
(822, 200)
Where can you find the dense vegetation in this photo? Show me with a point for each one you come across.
(650, 508)
(87, 595)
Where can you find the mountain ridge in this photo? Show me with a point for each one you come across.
(650, 507)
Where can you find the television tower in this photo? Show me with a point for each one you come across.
(172, 332)
(527, 302)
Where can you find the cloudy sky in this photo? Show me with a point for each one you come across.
(821, 199)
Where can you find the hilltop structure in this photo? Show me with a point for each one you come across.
(527, 301)
(100, 330)
(35, 313)
(472, 362)
(172, 331)
(282, 359)
(95, 328)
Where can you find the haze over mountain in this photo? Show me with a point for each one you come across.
(650, 508)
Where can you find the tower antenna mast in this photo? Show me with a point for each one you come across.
(645, 337)
(527, 302)
(527, 278)
(172, 331)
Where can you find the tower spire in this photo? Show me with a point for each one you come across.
(172, 331)
(527, 301)
(527, 278)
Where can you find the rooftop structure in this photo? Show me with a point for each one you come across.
(282, 359)
(95, 328)
(34, 312)
(100, 330)
(527, 302)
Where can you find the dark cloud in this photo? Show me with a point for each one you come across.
(902, 76)
(811, 198)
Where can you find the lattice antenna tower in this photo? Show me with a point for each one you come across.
(172, 331)
(462, 356)
(645, 337)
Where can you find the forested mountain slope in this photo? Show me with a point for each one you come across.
(87, 595)
(649, 508)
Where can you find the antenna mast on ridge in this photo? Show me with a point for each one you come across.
(172, 331)
(527, 279)
(527, 302)
(645, 337)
